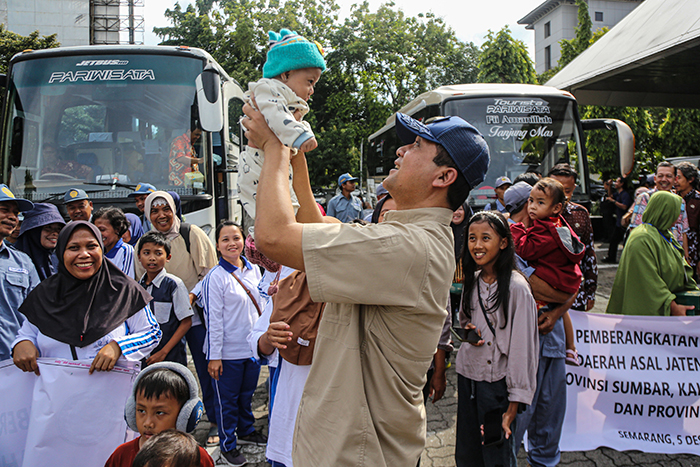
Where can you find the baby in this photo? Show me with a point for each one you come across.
(552, 248)
(293, 67)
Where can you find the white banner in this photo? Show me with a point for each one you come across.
(64, 417)
(638, 386)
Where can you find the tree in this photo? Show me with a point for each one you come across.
(12, 43)
(571, 48)
(679, 134)
(504, 59)
(400, 56)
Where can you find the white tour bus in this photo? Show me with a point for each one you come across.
(103, 119)
(527, 127)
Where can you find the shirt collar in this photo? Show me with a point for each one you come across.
(228, 267)
(111, 253)
(441, 215)
(156, 280)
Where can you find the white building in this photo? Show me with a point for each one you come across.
(555, 20)
(76, 22)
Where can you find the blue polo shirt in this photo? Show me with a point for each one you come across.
(17, 278)
(343, 209)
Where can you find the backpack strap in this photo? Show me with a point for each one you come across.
(185, 234)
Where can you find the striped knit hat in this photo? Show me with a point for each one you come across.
(290, 51)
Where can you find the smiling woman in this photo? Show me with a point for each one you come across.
(38, 237)
(117, 326)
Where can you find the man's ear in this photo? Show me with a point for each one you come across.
(445, 177)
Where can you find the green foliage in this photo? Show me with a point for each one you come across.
(504, 59)
(12, 43)
(679, 134)
(571, 48)
(400, 56)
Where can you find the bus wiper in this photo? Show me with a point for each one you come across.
(56, 196)
(113, 184)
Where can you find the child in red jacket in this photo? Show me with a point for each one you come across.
(551, 247)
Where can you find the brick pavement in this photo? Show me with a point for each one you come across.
(440, 443)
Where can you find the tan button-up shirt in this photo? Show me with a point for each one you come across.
(386, 286)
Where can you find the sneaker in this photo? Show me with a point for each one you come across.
(234, 458)
(255, 438)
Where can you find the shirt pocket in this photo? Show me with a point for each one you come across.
(162, 311)
(17, 280)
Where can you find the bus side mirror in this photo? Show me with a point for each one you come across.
(16, 141)
(209, 104)
(625, 140)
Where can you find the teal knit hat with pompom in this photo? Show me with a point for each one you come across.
(290, 51)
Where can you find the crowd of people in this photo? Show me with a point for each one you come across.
(352, 359)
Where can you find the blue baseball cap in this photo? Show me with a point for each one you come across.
(500, 181)
(346, 178)
(7, 195)
(465, 145)
(142, 189)
(74, 194)
(516, 196)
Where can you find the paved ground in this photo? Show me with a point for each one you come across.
(442, 418)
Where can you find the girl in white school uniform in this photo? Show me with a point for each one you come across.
(497, 369)
(230, 299)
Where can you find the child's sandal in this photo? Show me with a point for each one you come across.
(572, 357)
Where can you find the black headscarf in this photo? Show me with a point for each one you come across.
(458, 230)
(79, 312)
(378, 209)
(45, 261)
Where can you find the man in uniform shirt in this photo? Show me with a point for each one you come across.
(345, 206)
(78, 205)
(17, 269)
(362, 403)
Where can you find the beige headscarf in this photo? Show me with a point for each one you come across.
(175, 229)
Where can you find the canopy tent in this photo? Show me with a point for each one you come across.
(649, 59)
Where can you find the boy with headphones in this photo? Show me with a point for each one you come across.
(164, 397)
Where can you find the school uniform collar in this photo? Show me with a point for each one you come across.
(156, 280)
(228, 267)
(112, 253)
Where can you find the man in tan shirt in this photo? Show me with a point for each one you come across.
(362, 403)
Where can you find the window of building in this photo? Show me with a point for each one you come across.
(599, 16)
(547, 58)
(547, 29)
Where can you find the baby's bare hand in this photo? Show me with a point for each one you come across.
(309, 145)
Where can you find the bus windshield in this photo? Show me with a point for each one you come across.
(116, 120)
(523, 133)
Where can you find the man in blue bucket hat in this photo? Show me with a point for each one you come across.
(380, 326)
(17, 269)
